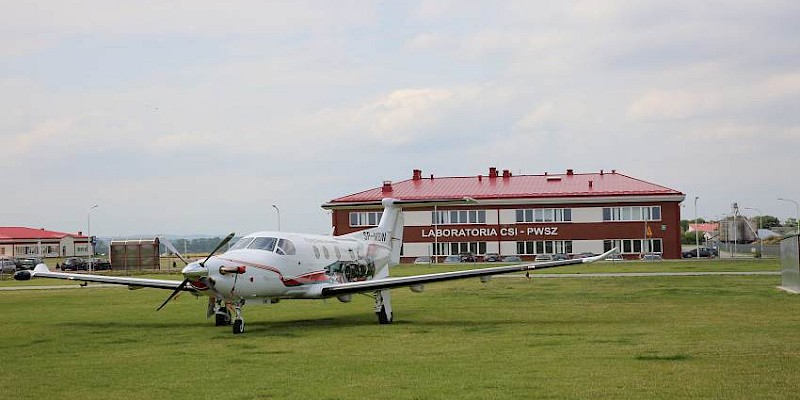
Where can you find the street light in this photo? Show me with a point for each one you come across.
(797, 212)
(760, 241)
(696, 230)
(89, 232)
(279, 215)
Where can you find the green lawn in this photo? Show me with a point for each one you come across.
(731, 337)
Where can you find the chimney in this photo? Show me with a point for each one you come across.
(590, 183)
(613, 171)
(506, 173)
(570, 172)
(601, 172)
(480, 178)
(80, 233)
(492, 172)
(417, 174)
(387, 187)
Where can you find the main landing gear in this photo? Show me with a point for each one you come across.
(383, 307)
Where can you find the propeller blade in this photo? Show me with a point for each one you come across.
(219, 246)
(172, 248)
(177, 290)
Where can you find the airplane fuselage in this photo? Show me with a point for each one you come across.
(267, 266)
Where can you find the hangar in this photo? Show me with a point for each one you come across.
(524, 215)
(18, 241)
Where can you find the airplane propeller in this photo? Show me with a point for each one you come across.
(192, 272)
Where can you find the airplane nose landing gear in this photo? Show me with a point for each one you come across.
(238, 322)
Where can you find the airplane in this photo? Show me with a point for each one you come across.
(266, 267)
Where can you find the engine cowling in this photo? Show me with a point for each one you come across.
(23, 275)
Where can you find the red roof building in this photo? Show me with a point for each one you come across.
(29, 242)
(525, 215)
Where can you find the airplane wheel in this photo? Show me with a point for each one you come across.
(384, 317)
(238, 326)
(222, 319)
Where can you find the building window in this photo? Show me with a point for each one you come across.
(456, 248)
(458, 217)
(544, 247)
(544, 215)
(635, 213)
(372, 218)
(634, 246)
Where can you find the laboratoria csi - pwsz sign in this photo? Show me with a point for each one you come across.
(475, 232)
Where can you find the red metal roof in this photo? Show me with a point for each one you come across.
(507, 186)
(17, 232)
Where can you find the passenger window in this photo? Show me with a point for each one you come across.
(286, 247)
(338, 253)
(316, 251)
(325, 251)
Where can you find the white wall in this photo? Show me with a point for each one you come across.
(587, 214)
(591, 246)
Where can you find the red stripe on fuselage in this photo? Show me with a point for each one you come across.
(305, 279)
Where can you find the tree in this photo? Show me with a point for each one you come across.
(790, 222)
(768, 221)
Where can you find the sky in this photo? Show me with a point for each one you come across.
(195, 117)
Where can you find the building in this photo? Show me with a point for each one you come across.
(29, 242)
(525, 215)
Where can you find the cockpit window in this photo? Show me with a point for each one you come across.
(263, 243)
(242, 243)
(285, 247)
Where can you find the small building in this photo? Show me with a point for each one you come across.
(30, 242)
(524, 215)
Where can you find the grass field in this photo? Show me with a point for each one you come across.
(731, 337)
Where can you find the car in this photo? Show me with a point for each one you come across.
(543, 257)
(98, 264)
(29, 263)
(615, 257)
(422, 260)
(491, 257)
(704, 252)
(510, 259)
(452, 259)
(7, 266)
(73, 264)
(651, 257)
(560, 256)
(468, 257)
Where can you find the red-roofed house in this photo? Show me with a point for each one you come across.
(525, 215)
(29, 242)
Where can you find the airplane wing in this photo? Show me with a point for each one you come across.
(41, 271)
(388, 283)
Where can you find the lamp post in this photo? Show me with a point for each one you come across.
(797, 212)
(89, 233)
(760, 241)
(696, 231)
(279, 215)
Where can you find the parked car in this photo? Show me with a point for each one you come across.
(650, 257)
(468, 257)
(73, 264)
(29, 263)
(452, 259)
(543, 257)
(7, 266)
(422, 260)
(511, 259)
(560, 256)
(615, 257)
(98, 264)
(704, 252)
(491, 257)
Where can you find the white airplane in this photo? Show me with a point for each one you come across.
(266, 267)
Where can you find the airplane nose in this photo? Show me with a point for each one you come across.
(194, 271)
